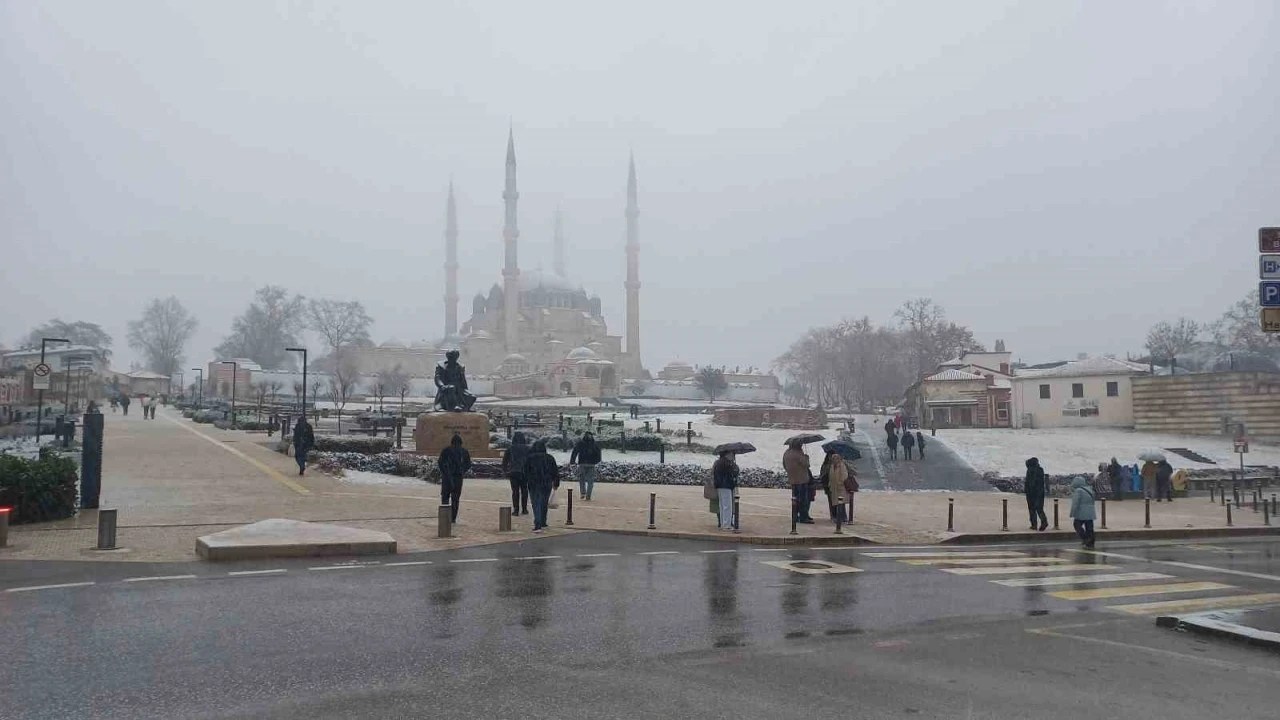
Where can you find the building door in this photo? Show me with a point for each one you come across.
(964, 417)
(941, 417)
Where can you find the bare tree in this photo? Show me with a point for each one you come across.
(271, 324)
(273, 388)
(380, 389)
(930, 337)
(1166, 341)
(316, 384)
(1239, 329)
(260, 390)
(396, 381)
(339, 322)
(341, 382)
(78, 332)
(711, 381)
(162, 333)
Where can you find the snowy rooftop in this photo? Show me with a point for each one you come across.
(1086, 367)
(949, 375)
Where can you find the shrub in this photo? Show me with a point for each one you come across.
(188, 414)
(38, 490)
(363, 445)
(253, 425)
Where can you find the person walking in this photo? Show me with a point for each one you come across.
(115, 404)
(1115, 476)
(151, 407)
(796, 464)
(454, 462)
(124, 404)
(724, 474)
(1126, 481)
(543, 475)
(586, 454)
(889, 427)
(893, 446)
(908, 442)
(1034, 487)
(1148, 475)
(304, 438)
(1082, 510)
(920, 443)
(834, 476)
(1164, 481)
(513, 465)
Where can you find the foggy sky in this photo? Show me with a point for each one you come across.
(1059, 175)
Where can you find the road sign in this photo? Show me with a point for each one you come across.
(1271, 320)
(40, 377)
(1269, 240)
(1269, 267)
(1269, 294)
(1241, 445)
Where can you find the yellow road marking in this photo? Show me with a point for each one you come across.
(986, 561)
(266, 469)
(1026, 569)
(1132, 590)
(1074, 579)
(1176, 606)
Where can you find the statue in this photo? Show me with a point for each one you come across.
(451, 385)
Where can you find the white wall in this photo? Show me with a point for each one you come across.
(1057, 410)
(691, 392)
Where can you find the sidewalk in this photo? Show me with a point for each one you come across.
(1259, 627)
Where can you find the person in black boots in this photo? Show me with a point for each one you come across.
(304, 438)
(454, 462)
(544, 477)
(513, 464)
(1034, 487)
(908, 442)
(920, 443)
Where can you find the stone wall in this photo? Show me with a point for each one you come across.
(1208, 404)
(799, 418)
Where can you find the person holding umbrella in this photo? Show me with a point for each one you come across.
(834, 475)
(724, 475)
(796, 464)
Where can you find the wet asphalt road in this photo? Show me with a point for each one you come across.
(690, 629)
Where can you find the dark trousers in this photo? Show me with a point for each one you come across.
(800, 493)
(1035, 506)
(1084, 528)
(921, 452)
(1164, 490)
(541, 497)
(519, 494)
(1115, 489)
(300, 455)
(450, 494)
(893, 452)
(906, 449)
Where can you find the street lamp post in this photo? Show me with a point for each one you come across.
(40, 402)
(235, 370)
(304, 377)
(200, 397)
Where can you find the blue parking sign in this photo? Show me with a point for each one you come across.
(1269, 294)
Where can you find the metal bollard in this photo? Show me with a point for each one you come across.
(622, 440)
(1273, 503)
(737, 514)
(1255, 501)
(653, 509)
(662, 453)
(1266, 513)
(568, 514)
(106, 529)
(504, 519)
(1212, 497)
(4, 526)
(951, 514)
(646, 426)
(1104, 513)
(1004, 510)
(794, 509)
(659, 422)
(444, 521)
(1222, 494)
(1228, 515)
(1146, 523)
(1055, 513)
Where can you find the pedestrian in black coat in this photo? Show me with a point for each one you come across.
(304, 438)
(513, 464)
(454, 462)
(920, 443)
(543, 474)
(908, 442)
(893, 446)
(1034, 487)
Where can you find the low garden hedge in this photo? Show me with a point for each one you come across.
(349, 444)
(41, 489)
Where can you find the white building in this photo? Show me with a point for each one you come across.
(1094, 392)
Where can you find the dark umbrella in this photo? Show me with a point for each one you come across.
(737, 448)
(843, 448)
(804, 439)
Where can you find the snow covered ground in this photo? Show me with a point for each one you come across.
(1079, 450)
(568, 403)
(360, 477)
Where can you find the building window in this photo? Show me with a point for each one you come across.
(1113, 389)
(1044, 392)
(1077, 390)
(1002, 411)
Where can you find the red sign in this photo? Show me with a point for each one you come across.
(1269, 240)
(1241, 445)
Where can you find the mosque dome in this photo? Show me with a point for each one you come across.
(535, 279)
(514, 358)
(581, 353)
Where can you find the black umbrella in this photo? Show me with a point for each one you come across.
(844, 449)
(804, 439)
(737, 448)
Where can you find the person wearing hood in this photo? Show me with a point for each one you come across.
(1148, 475)
(892, 440)
(920, 443)
(454, 462)
(1082, 510)
(835, 475)
(1034, 487)
(1115, 474)
(304, 438)
(908, 442)
(586, 455)
(513, 462)
(724, 474)
(796, 464)
(543, 475)
(1164, 481)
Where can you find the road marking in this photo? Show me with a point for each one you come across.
(598, 555)
(1053, 632)
(660, 552)
(1025, 569)
(1135, 590)
(1176, 606)
(539, 557)
(266, 469)
(407, 564)
(33, 588)
(822, 567)
(716, 552)
(891, 643)
(241, 573)
(771, 549)
(985, 561)
(1073, 579)
(159, 577)
(837, 547)
(1189, 566)
(981, 553)
(343, 567)
(474, 560)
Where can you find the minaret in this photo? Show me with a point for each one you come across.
(559, 244)
(511, 267)
(633, 274)
(451, 267)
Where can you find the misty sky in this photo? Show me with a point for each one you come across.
(1057, 174)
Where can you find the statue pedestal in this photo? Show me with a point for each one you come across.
(435, 429)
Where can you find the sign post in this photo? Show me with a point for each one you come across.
(40, 377)
(1269, 273)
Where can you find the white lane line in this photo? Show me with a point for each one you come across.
(837, 547)
(771, 549)
(1074, 579)
(242, 573)
(343, 567)
(1177, 606)
(985, 561)
(1189, 566)
(33, 588)
(598, 555)
(474, 560)
(406, 564)
(660, 552)
(980, 553)
(159, 577)
(716, 552)
(1026, 569)
(539, 557)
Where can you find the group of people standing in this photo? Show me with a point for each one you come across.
(1156, 479)
(148, 404)
(534, 474)
(908, 440)
(837, 480)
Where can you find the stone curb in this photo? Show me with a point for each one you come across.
(1104, 535)
(1203, 625)
(845, 539)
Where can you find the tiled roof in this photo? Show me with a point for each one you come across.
(947, 375)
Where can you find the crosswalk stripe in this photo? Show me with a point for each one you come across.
(1213, 603)
(1025, 569)
(968, 553)
(1073, 579)
(1135, 590)
(985, 561)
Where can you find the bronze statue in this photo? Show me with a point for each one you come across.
(451, 385)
